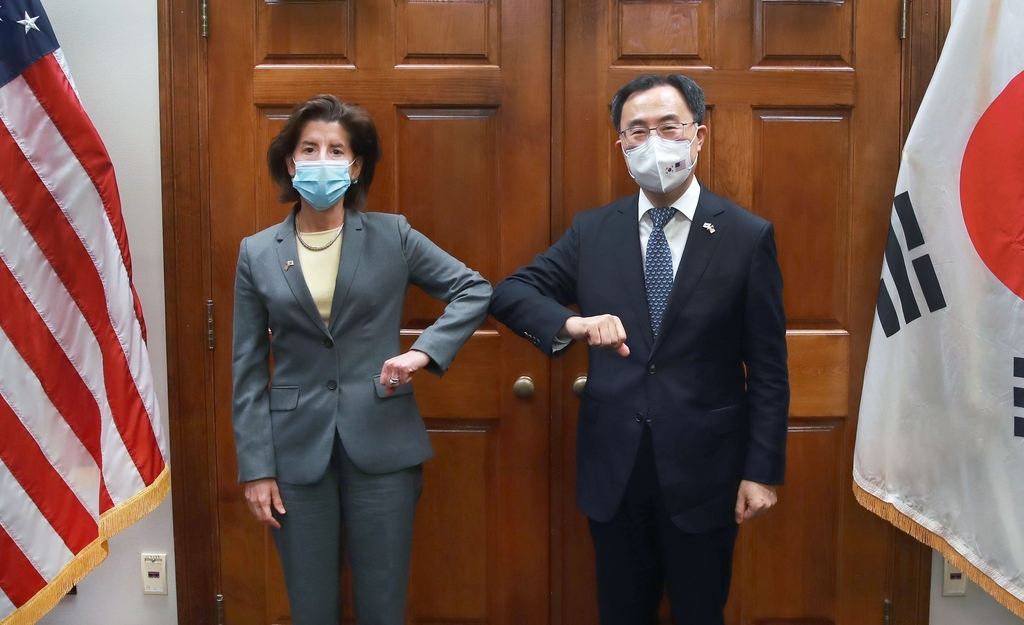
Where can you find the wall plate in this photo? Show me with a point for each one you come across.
(154, 573)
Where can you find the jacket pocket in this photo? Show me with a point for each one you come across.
(727, 419)
(284, 397)
(402, 389)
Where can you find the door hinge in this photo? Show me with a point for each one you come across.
(903, 19)
(204, 21)
(220, 609)
(887, 612)
(209, 324)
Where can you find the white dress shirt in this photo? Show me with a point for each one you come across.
(676, 229)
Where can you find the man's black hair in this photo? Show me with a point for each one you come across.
(690, 90)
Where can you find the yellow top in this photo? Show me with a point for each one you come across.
(320, 269)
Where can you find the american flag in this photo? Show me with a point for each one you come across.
(83, 452)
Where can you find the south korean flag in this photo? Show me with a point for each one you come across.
(940, 438)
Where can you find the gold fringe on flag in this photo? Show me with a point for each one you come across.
(118, 518)
(72, 573)
(125, 514)
(904, 523)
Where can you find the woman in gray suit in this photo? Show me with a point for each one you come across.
(333, 439)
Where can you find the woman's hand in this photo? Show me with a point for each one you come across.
(399, 370)
(260, 495)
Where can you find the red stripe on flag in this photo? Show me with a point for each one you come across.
(106, 503)
(51, 87)
(71, 261)
(19, 580)
(47, 489)
(44, 356)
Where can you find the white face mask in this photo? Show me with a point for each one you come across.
(659, 165)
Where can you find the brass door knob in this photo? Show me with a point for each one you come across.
(523, 387)
(579, 385)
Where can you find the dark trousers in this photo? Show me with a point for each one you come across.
(372, 515)
(640, 552)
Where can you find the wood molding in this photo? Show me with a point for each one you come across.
(186, 278)
(911, 581)
(558, 482)
(927, 25)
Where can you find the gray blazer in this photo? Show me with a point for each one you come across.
(325, 377)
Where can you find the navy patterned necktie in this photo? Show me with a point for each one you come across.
(658, 267)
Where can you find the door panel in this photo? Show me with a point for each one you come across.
(799, 134)
(803, 117)
(444, 83)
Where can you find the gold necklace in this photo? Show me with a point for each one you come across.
(318, 248)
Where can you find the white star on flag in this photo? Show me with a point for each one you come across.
(29, 22)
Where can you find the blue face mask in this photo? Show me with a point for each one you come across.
(321, 183)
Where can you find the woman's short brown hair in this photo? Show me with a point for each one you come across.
(362, 137)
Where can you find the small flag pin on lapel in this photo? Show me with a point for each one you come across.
(288, 265)
(710, 227)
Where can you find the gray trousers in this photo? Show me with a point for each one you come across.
(374, 514)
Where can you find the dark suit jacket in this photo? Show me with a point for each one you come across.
(714, 386)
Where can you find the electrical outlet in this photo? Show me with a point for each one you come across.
(154, 573)
(954, 582)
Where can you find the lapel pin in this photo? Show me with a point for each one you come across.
(710, 227)
(288, 265)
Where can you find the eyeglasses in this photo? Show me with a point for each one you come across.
(671, 131)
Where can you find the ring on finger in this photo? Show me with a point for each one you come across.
(394, 381)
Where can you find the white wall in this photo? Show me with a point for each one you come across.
(977, 607)
(111, 48)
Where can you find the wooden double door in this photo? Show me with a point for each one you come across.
(494, 120)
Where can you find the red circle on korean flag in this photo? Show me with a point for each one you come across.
(992, 186)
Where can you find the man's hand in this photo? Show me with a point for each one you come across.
(753, 500)
(260, 495)
(399, 370)
(599, 331)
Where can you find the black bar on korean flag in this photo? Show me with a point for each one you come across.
(887, 312)
(1018, 397)
(929, 283)
(1018, 367)
(1018, 426)
(911, 229)
(900, 277)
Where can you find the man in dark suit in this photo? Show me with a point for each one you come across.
(682, 428)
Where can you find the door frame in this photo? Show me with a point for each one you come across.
(185, 189)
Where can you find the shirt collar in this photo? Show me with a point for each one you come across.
(686, 204)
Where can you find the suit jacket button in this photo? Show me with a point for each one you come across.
(328, 343)
(332, 385)
(639, 417)
(652, 369)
